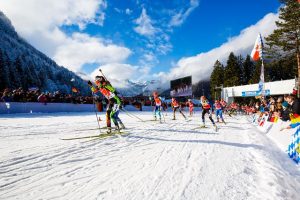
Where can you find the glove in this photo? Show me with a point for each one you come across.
(90, 83)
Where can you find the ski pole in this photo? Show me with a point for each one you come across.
(127, 113)
(132, 115)
(96, 115)
(102, 74)
(163, 114)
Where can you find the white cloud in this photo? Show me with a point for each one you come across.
(118, 10)
(201, 65)
(118, 73)
(34, 15)
(150, 57)
(128, 11)
(81, 49)
(145, 26)
(40, 23)
(179, 18)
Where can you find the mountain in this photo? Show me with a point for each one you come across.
(21, 65)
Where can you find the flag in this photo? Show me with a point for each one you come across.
(75, 90)
(256, 53)
(294, 147)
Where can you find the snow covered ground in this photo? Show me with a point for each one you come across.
(155, 161)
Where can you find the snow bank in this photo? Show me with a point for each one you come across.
(281, 138)
(173, 160)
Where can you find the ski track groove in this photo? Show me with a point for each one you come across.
(157, 160)
(168, 169)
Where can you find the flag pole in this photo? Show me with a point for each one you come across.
(262, 72)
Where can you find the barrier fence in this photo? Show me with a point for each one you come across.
(33, 107)
(287, 140)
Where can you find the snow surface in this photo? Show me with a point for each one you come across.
(154, 161)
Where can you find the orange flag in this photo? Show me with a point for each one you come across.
(256, 53)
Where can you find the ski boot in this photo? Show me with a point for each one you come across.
(108, 130)
(117, 129)
(203, 126)
(215, 127)
(122, 125)
(154, 119)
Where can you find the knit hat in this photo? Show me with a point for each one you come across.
(285, 104)
(295, 91)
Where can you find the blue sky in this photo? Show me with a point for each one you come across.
(208, 26)
(141, 39)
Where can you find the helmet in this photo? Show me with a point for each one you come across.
(99, 78)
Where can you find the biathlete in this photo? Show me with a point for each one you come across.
(223, 104)
(112, 112)
(219, 111)
(175, 106)
(157, 106)
(190, 104)
(206, 109)
(233, 107)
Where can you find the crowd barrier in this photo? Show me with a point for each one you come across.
(287, 140)
(17, 107)
(28, 107)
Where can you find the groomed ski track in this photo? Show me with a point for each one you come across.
(155, 161)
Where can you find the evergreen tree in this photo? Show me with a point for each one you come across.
(4, 71)
(18, 73)
(285, 40)
(281, 69)
(232, 72)
(248, 70)
(256, 73)
(216, 79)
(240, 61)
(34, 75)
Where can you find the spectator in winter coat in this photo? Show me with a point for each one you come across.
(294, 104)
(285, 114)
(6, 97)
(279, 104)
(42, 98)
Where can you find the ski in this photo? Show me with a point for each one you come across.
(89, 129)
(151, 120)
(215, 128)
(200, 127)
(101, 136)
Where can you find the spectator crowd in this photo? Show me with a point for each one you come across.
(21, 95)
